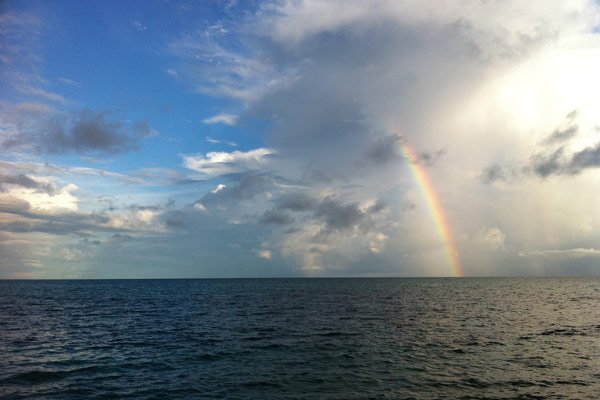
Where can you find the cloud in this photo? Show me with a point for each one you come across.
(276, 217)
(339, 216)
(21, 63)
(211, 62)
(245, 187)
(296, 201)
(226, 119)
(501, 173)
(337, 86)
(377, 244)
(577, 252)
(552, 156)
(385, 149)
(265, 253)
(217, 141)
(223, 163)
(491, 239)
(45, 132)
(71, 255)
(564, 133)
(557, 162)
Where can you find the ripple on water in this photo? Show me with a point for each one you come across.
(301, 339)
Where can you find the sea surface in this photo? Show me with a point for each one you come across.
(470, 338)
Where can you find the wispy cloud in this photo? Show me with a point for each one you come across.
(20, 55)
(212, 140)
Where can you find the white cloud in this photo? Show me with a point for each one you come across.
(223, 163)
(227, 119)
(60, 200)
(219, 187)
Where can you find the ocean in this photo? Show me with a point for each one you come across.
(372, 338)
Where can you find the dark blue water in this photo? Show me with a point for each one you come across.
(301, 339)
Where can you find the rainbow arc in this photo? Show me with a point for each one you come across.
(435, 207)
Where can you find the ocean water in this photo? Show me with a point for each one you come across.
(301, 339)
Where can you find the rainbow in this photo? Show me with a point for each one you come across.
(435, 207)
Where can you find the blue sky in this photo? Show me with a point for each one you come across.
(226, 138)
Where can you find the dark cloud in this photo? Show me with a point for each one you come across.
(295, 201)
(584, 159)
(334, 214)
(558, 163)
(563, 134)
(501, 173)
(339, 216)
(545, 164)
(27, 182)
(276, 217)
(175, 219)
(379, 205)
(84, 132)
(429, 158)
(385, 150)
(551, 156)
(550, 160)
(492, 174)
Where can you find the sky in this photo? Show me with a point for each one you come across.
(202, 139)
